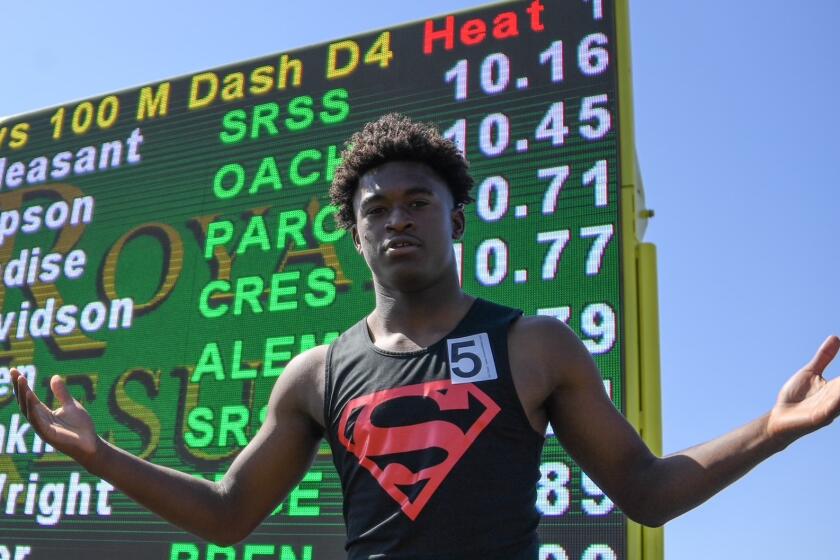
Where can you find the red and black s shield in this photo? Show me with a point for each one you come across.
(410, 438)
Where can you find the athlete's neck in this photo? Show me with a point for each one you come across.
(410, 321)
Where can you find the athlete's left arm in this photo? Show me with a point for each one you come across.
(566, 386)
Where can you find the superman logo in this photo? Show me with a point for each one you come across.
(411, 457)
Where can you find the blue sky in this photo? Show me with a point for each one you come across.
(736, 119)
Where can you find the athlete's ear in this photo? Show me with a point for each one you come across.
(354, 233)
(459, 222)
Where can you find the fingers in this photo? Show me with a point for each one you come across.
(826, 353)
(30, 405)
(28, 401)
(830, 403)
(15, 375)
(59, 388)
(21, 388)
(36, 412)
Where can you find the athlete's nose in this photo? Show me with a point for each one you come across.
(399, 219)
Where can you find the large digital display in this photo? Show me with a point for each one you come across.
(168, 249)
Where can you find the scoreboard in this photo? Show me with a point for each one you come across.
(168, 249)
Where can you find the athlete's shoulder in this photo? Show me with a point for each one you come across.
(312, 358)
(541, 329)
(301, 385)
(308, 366)
(545, 343)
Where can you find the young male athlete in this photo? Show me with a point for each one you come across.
(436, 403)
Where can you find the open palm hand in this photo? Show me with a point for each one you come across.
(807, 401)
(68, 428)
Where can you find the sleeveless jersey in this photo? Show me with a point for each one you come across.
(435, 453)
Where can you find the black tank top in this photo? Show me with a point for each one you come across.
(436, 456)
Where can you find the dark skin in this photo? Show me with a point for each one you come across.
(405, 224)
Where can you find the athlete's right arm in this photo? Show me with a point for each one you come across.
(225, 512)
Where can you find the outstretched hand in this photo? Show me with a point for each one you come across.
(807, 401)
(68, 428)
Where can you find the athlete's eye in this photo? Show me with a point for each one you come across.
(418, 203)
(374, 211)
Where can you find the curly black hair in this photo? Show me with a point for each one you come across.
(395, 137)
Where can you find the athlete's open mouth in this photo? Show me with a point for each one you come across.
(400, 243)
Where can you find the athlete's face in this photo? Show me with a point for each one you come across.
(406, 221)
